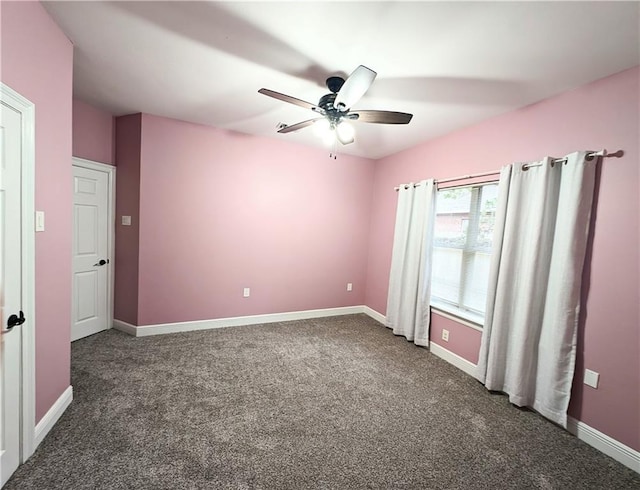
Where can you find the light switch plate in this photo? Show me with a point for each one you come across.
(126, 221)
(39, 220)
(591, 378)
(349, 286)
(246, 293)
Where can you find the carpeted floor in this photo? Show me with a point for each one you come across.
(334, 403)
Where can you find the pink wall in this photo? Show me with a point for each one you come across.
(93, 133)
(37, 62)
(603, 114)
(220, 211)
(463, 340)
(128, 135)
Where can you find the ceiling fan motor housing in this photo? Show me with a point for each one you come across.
(326, 103)
(335, 84)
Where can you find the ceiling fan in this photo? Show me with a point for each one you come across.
(335, 107)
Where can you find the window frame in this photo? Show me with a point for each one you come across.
(454, 311)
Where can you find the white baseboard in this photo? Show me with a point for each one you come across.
(163, 328)
(459, 362)
(379, 317)
(125, 327)
(51, 417)
(603, 443)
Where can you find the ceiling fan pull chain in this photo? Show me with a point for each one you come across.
(334, 152)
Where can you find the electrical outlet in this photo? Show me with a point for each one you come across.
(349, 286)
(246, 292)
(445, 335)
(591, 378)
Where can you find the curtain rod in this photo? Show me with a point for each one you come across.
(590, 156)
(462, 177)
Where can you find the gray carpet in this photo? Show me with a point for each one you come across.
(334, 403)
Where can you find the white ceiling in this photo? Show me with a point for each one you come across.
(451, 64)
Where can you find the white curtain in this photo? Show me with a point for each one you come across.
(410, 279)
(529, 339)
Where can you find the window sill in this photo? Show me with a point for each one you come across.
(456, 317)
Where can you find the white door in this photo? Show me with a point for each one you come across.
(10, 290)
(91, 261)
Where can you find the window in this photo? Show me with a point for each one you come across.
(462, 249)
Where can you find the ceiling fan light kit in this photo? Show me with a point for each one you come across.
(335, 109)
(345, 132)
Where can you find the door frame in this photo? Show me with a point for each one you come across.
(28, 330)
(110, 170)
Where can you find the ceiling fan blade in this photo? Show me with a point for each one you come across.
(381, 117)
(290, 100)
(354, 88)
(300, 125)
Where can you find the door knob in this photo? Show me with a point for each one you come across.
(102, 262)
(14, 321)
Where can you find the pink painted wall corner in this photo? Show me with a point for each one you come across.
(127, 240)
(93, 133)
